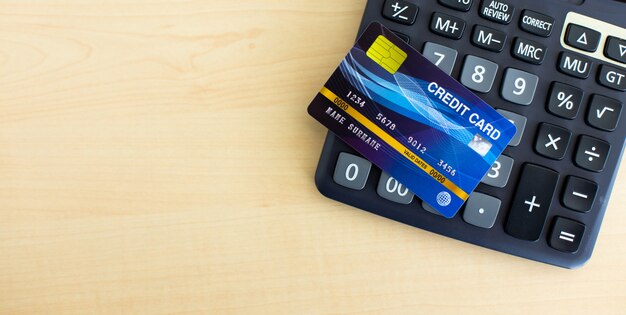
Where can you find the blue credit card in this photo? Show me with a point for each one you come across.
(412, 120)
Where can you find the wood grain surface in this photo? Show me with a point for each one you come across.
(156, 158)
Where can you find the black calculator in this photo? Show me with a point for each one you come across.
(557, 70)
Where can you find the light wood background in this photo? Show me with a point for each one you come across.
(156, 158)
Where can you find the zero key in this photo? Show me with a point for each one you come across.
(532, 202)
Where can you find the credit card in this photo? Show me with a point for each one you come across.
(412, 120)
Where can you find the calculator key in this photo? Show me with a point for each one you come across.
(459, 5)
(615, 49)
(488, 38)
(403, 36)
(402, 12)
(430, 209)
(442, 56)
(575, 65)
(520, 124)
(536, 23)
(531, 202)
(529, 51)
(447, 25)
(604, 112)
(582, 38)
(499, 173)
(564, 100)
(579, 194)
(592, 153)
(481, 210)
(566, 235)
(352, 171)
(552, 141)
(478, 74)
(612, 77)
(519, 87)
(499, 11)
(390, 189)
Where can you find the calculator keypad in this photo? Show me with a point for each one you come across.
(390, 189)
(402, 12)
(352, 171)
(447, 25)
(565, 100)
(442, 56)
(478, 74)
(481, 210)
(519, 86)
(604, 112)
(541, 198)
(520, 124)
(582, 38)
(575, 65)
(552, 141)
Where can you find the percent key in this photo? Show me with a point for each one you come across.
(564, 100)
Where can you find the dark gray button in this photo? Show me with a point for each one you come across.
(459, 5)
(579, 194)
(582, 38)
(575, 65)
(499, 173)
(612, 77)
(529, 51)
(402, 36)
(536, 23)
(615, 49)
(552, 141)
(447, 25)
(592, 153)
(481, 210)
(390, 189)
(531, 203)
(488, 38)
(402, 12)
(564, 100)
(520, 123)
(442, 56)
(352, 171)
(604, 112)
(566, 235)
(498, 11)
(519, 87)
(478, 74)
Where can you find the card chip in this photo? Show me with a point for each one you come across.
(386, 54)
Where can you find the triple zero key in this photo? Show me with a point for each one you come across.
(532, 202)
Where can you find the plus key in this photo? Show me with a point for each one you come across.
(532, 202)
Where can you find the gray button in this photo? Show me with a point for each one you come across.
(519, 87)
(520, 123)
(390, 189)
(481, 210)
(352, 171)
(430, 209)
(499, 173)
(478, 74)
(442, 56)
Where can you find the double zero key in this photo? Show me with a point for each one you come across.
(532, 202)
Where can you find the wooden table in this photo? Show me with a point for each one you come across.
(156, 158)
